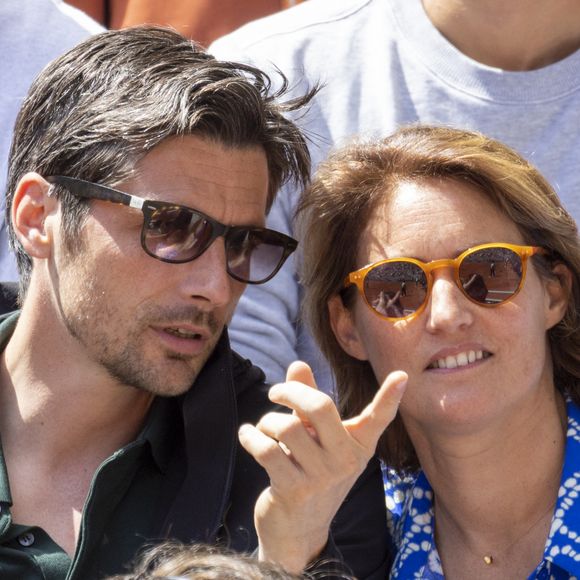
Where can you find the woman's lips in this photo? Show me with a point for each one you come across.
(460, 359)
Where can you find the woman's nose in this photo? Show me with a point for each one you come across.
(448, 309)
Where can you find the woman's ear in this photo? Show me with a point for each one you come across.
(558, 292)
(344, 328)
(31, 205)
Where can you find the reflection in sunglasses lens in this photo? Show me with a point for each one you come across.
(179, 234)
(491, 275)
(176, 233)
(488, 276)
(396, 289)
(253, 254)
(240, 244)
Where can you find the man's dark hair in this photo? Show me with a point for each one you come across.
(94, 112)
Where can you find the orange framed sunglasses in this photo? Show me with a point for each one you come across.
(399, 288)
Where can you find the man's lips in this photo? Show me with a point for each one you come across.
(183, 339)
(183, 333)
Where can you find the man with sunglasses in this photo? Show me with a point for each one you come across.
(140, 175)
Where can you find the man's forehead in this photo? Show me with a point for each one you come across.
(205, 174)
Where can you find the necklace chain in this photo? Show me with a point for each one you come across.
(489, 559)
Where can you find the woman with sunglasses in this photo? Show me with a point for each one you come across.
(444, 254)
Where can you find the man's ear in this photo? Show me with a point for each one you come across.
(558, 294)
(345, 331)
(31, 206)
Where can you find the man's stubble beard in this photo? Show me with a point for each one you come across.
(91, 318)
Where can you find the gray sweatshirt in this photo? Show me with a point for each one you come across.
(32, 33)
(383, 64)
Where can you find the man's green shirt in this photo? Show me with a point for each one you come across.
(119, 513)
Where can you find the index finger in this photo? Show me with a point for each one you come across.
(300, 372)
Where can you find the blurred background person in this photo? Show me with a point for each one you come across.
(32, 33)
(508, 69)
(200, 20)
(203, 562)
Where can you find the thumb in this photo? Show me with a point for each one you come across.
(367, 427)
(300, 372)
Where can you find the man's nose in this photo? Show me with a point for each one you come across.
(206, 277)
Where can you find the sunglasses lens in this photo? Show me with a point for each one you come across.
(253, 255)
(176, 234)
(396, 289)
(491, 275)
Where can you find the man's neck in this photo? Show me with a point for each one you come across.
(517, 35)
(56, 402)
(61, 416)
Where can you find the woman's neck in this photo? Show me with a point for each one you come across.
(495, 492)
(517, 35)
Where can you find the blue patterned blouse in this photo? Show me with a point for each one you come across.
(410, 508)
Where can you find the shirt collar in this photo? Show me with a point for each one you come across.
(160, 428)
(7, 325)
(563, 546)
(156, 431)
(563, 543)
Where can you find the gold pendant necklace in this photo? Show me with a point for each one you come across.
(488, 558)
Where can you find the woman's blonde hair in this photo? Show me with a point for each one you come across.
(346, 191)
